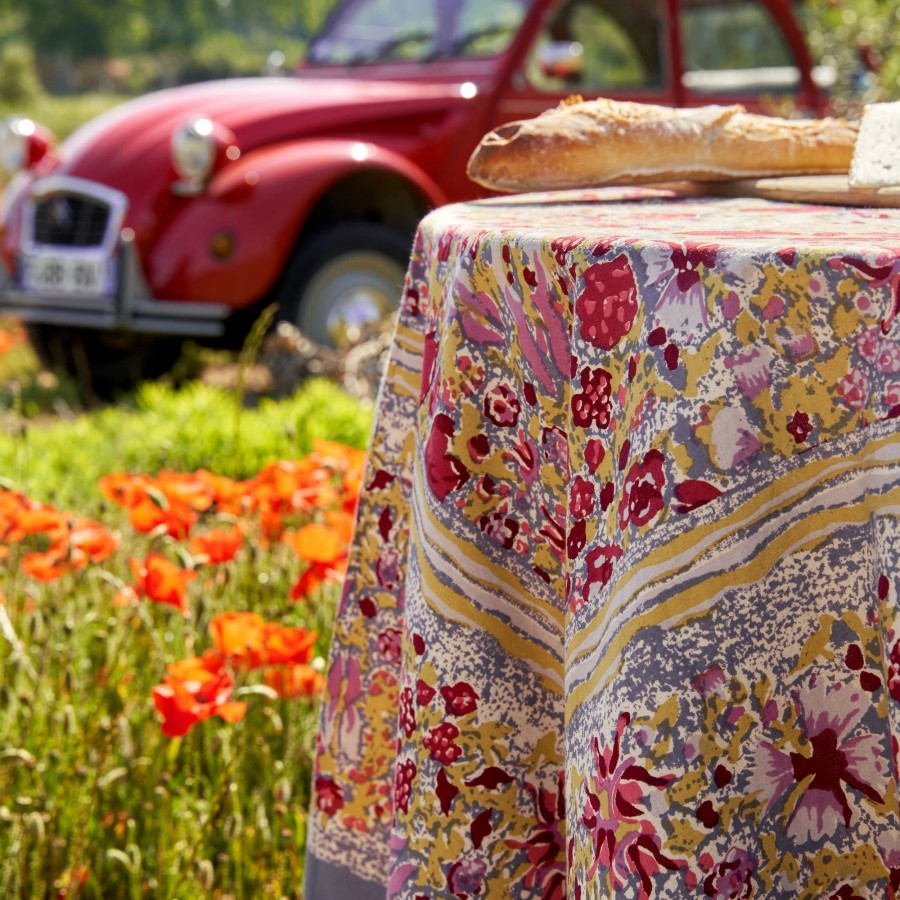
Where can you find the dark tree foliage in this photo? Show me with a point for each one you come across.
(90, 28)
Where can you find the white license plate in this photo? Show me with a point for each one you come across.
(46, 273)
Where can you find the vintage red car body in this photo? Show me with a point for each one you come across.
(339, 155)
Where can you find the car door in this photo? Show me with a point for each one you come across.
(594, 48)
(672, 52)
(748, 52)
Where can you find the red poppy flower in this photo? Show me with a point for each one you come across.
(39, 518)
(295, 681)
(46, 566)
(193, 692)
(161, 580)
(90, 541)
(218, 545)
(247, 639)
(318, 543)
(151, 511)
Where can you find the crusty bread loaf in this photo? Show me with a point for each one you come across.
(588, 143)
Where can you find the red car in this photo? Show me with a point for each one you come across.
(187, 211)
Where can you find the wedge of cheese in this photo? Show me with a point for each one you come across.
(876, 155)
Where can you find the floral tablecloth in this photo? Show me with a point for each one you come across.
(621, 618)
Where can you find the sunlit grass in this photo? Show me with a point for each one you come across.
(95, 800)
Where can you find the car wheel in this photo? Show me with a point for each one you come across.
(104, 364)
(344, 285)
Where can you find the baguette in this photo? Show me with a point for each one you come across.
(583, 144)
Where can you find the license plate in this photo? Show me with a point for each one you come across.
(46, 273)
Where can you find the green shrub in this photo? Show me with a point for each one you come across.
(194, 427)
(19, 82)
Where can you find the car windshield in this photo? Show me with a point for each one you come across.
(364, 31)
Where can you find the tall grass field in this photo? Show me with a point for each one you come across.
(169, 569)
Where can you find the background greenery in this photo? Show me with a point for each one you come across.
(135, 45)
(125, 47)
(89, 787)
(95, 802)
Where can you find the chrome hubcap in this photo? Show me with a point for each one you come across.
(351, 299)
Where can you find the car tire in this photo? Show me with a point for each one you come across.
(104, 364)
(343, 286)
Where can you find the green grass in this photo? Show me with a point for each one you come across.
(62, 115)
(161, 427)
(90, 787)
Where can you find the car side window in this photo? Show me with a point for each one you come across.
(734, 47)
(367, 31)
(483, 27)
(372, 30)
(599, 45)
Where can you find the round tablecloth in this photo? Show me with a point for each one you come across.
(621, 618)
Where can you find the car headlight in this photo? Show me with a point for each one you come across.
(198, 147)
(23, 143)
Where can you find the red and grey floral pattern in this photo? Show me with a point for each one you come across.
(621, 617)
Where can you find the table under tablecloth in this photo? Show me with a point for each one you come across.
(621, 617)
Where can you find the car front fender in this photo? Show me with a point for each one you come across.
(257, 206)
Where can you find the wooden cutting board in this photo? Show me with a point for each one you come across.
(833, 190)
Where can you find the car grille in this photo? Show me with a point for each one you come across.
(70, 220)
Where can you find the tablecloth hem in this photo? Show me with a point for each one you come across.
(326, 881)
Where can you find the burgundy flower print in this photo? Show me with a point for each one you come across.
(600, 563)
(390, 644)
(693, 494)
(642, 497)
(407, 716)
(832, 765)
(500, 528)
(479, 447)
(460, 699)
(545, 846)
(856, 661)
(625, 842)
(577, 539)
(501, 406)
(854, 389)
(329, 796)
(880, 276)
(424, 693)
(444, 471)
(388, 567)
(581, 498)
(429, 356)
(800, 426)
(883, 353)
(893, 671)
(607, 306)
(681, 304)
(846, 892)
(592, 404)
(594, 452)
(686, 261)
(403, 782)
(440, 743)
(731, 877)
(888, 359)
(465, 879)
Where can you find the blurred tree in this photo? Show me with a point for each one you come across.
(80, 28)
(64, 34)
(857, 38)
